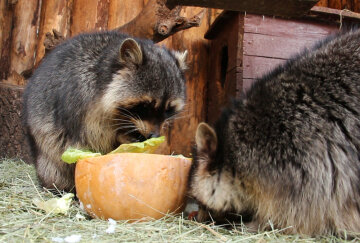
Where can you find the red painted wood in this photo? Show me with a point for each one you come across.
(269, 41)
(286, 28)
(246, 84)
(275, 46)
(255, 67)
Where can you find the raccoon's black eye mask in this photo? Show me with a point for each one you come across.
(148, 110)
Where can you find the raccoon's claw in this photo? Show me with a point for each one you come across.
(192, 215)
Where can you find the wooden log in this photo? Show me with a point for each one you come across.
(352, 5)
(13, 143)
(122, 12)
(24, 39)
(357, 7)
(180, 136)
(89, 15)
(55, 15)
(286, 8)
(6, 22)
(323, 3)
(157, 22)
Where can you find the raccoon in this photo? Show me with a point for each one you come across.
(97, 91)
(288, 150)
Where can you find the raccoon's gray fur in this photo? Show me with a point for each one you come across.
(96, 91)
(288, 151)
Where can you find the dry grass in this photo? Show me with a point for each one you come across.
(21, 221)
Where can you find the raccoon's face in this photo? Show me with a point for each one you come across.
(147, 91)
(145, 118)
(202, 177)
(212, 183)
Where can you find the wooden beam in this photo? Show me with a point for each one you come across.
(285, 8)
(334, 14)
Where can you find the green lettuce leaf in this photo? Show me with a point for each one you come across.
(55, 205)
(72, 155)
(148, 146)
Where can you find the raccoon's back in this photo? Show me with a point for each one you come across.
(312, 92)
(305, 114)
(69, 78)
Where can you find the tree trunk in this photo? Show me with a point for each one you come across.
(155, 21)
(89, 15)
(181, 134)
(352, 5)
(122, 12)
(24, 40)
(6, 20)
(13, 143)
(55, 15)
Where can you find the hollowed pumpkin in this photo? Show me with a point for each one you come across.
(132, 186)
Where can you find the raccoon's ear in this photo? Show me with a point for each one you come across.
(130, 52)
(181, 59)
(205, 138)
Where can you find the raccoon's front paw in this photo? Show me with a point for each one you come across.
(202, 215)
(252, 227)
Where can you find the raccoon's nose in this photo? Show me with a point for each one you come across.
(153, 135)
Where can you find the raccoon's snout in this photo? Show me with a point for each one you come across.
(136, 136)
(153, 135)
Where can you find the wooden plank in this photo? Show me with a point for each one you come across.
(54, 15)
(276, 47)
(222, 86)
(224, 18)
(337, 4)
(89, 15)
(335, 14)
(121, 12)
(270, 41)
(24, 39)
(287, 28)
(255, 67)
(181, 136)
(288, 8)
(6, 22)
(323, 3)
(343, 4)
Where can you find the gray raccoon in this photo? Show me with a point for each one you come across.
(288, 151)
(96, 91)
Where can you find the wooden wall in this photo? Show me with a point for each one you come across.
(24, 24)
(352, 5)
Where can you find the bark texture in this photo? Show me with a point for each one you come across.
(13, 143)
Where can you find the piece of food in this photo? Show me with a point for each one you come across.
(72, 155)
(148, 146)
(55, 205)
(132, 186)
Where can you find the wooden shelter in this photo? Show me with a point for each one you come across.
(246, 46)
(221, 66)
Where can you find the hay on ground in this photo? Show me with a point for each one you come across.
(22, 221)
